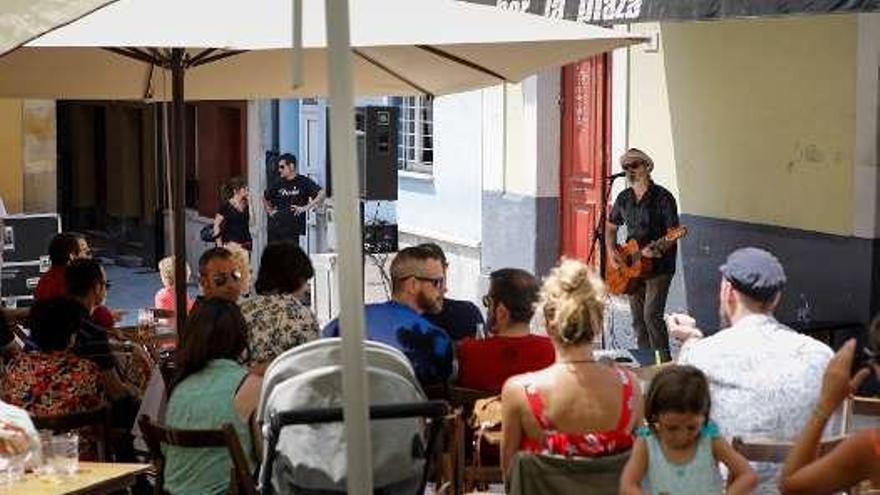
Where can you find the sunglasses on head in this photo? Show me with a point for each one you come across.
(221, 278)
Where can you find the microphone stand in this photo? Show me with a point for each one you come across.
(599, 230)
(599, 235)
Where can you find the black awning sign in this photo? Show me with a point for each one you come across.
(589, 11)
(626, 11)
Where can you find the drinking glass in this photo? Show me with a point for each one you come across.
(65, 453)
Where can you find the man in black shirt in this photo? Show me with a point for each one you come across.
(459, 318)
(288, 201)
(648, 211)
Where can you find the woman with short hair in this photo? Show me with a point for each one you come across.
(277, 318)
(232, 221)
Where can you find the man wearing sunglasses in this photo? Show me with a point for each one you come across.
(288, 201)
(648, 210)
(460, 318)
(417, 285)
(219, 275)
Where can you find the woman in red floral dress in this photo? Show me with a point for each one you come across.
(53, 380)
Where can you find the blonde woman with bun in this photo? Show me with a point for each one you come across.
(577, 406)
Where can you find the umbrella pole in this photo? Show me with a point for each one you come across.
(348, 231)
(176, 172)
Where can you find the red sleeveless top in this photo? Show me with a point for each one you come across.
(590, 444)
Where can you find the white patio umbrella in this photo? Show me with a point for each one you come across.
(24, 20)
(228, 49)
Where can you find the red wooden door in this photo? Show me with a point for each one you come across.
(586, 147)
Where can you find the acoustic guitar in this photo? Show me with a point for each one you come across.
(621, 279)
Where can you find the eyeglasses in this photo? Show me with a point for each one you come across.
(629, 167)
(436, 282)
(487, 301)
(221, 278)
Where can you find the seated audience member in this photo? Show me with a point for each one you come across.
(577, 406)
(63, 249)
(458, 317)
(242, 259)
(764, 377)
(53, 380)
(417, 288)
(87, 285)
(680, 448)
(855, 459)
(277, 319)
(211, 389)
(165, 297)
(512, 349)
(219, 275)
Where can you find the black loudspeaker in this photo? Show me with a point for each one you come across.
(377, 150)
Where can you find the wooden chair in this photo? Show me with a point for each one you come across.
(469, 474)
(98, 420)
(155, 436)
(859, 406)
(537, 474)
(763, 450)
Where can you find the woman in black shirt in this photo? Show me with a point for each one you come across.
(232, 222)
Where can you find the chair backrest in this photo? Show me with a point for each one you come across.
(156, 435)
(860, 406)
(762, 450)
(99, 419)
(533, 474)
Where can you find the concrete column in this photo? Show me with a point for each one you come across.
(521, 187)
(259, 141)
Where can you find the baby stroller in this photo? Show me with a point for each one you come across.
(301, 416)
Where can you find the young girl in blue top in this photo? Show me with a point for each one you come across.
(679, 451)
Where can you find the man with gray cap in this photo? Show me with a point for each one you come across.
(764, 377)
(648, 210)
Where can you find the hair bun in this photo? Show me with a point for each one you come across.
(573, 300)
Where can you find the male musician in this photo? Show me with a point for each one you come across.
(648, 211)
(288, 201)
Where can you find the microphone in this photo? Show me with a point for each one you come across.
(611, 177)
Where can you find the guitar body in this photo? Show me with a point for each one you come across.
(621, 279)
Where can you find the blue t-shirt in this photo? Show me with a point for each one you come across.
(427, 346)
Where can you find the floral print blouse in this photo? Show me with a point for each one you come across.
(276, 323)
(52, 383)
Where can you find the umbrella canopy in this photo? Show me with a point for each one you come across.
(24, 20)
(241, 50)
(229, 49)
